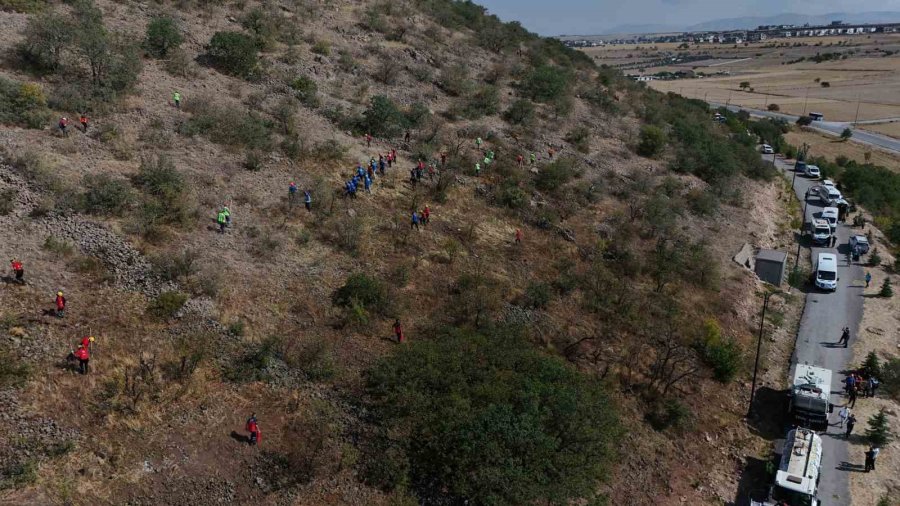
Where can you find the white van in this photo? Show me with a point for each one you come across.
(829, 195)
(830, 214)
(826, 271)
(812, 171)
(821, 231)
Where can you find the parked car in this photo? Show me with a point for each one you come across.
(812, 171)
(860, 241)
(767, 150)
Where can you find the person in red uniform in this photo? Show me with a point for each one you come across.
(253, 428)
(426, 215)
(83, 357)
(60, 305)
(398, 330)
(18, 270)
(63, 123)
(84, 122)
(518, 236)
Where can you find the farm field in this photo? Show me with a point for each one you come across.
(891, 129)
(831, 147)
(861, 82)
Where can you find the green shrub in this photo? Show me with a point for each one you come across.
(47, 36)
(580, 137)
(546, 83)
(7, 201)
(652, 141)
(265, 26)
(164, 192)
(163, 36)
(365, 291)
(23, 104)
(105, 195)
(886, 289)
(520, 112)
(722, 354)
(879, 431)
(322, 47)
(244, 129)
(537, 295)
(461, 393)
(871, 366)
(13, 371)
(483, 101)
(306, 90)
(455, 80)
(383, 118)
(668, 413)
(555, 174)
(176, 267)
(257, 363)
(512, 196)
(167, 304)
(233, 53)
(59, 247)
(24, 6)
(804, 121)
(890, 377)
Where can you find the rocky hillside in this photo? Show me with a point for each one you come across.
(573, 328)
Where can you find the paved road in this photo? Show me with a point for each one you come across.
(820, 327)
(828, 127)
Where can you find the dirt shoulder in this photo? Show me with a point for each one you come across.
(879, 333)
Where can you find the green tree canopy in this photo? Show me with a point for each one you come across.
(487, 418)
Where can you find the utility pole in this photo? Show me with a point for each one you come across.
(762, 321)
(856, 120)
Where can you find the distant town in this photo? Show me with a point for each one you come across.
(761, 33)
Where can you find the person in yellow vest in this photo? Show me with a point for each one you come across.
(176, 97)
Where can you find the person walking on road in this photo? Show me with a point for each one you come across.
(851, 422)
(844, 413)
(853, 394)
(845, 337)
(850, 383)
(868, 278)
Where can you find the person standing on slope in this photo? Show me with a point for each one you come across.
(252, 427)
(18, 270)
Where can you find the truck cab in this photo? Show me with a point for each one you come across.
(810, 397)
(821, 231)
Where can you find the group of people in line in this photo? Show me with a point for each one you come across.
(856, 385)
(365, 175)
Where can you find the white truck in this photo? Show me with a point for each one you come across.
(810, 397)
(797, 478)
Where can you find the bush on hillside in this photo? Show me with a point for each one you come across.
(306, 90)
(163, 37)
(105, 195)
(265, 25)
(520, 112)
(483, 101)
(555, 174)
(233, 53)
(722, 354)
(226, 125)
(364, 291)
(652, 141)
(546, 83)
(167, 304)
(804, 121)
(47, 36)
(515, 401)
(383, 118)
(23, 104)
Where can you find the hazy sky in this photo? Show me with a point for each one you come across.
(557, 17)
